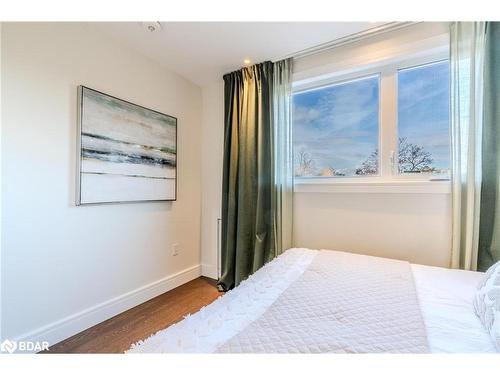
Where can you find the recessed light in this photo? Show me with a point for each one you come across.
(247, 61)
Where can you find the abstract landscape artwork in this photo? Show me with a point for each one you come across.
(127, 153)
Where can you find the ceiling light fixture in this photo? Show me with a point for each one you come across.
(247, 61)
(151, 26)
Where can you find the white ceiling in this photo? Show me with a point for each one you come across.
(203, 51)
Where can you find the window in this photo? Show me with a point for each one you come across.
(423, 119)
(336, 129)
(388, 122)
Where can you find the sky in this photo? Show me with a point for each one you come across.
(423, 110)
(338, 125)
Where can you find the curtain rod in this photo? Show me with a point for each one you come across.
(390, 26)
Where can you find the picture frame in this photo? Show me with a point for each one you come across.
(125, 152)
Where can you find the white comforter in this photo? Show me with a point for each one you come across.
(445, 298)
(342, 303)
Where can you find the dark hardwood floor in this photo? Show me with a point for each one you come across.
(115, 335)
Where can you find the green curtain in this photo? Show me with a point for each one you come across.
(248, 196)
(489, 232)
(257, 179)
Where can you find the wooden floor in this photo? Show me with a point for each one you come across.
(115, 335)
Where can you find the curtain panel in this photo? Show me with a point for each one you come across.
(466, 63)
(256, 207)
(282, 123)
(489, 232)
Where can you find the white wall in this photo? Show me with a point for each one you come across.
(411, 226)
(65, 268)
(211, 172)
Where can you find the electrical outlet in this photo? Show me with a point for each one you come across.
(175, 249)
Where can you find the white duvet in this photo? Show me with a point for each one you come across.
(445, 298)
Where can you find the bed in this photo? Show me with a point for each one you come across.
(315, 301)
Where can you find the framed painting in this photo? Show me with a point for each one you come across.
(126, 152)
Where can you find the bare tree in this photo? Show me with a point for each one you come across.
(370, 165)
(305, 165)
(413, 158)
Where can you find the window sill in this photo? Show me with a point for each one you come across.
(379, 187)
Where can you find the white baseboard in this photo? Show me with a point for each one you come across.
(209, 270)
(62, 329)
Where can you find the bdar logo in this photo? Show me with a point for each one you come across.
(8, 346)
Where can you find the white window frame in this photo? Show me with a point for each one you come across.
(388, 178)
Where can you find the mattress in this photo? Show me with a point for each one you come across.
(444, 296)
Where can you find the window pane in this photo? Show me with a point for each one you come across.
(335, 129)
(423, 119)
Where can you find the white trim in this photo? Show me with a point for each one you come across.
(318, 185)
(66, 327)
(209, 270)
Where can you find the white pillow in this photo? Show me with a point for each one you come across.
(487, 302)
